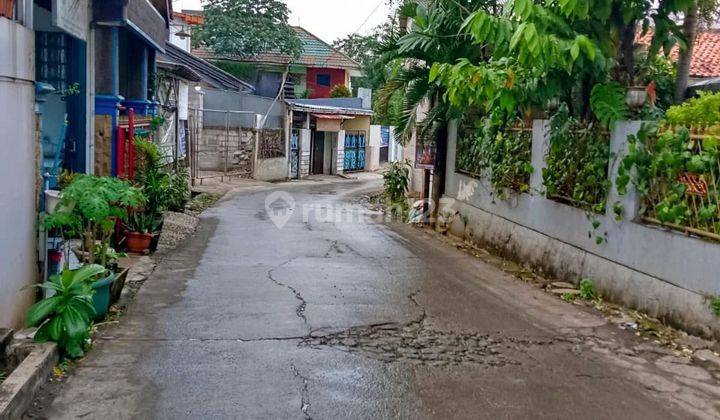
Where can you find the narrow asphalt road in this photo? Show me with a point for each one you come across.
(335, 316)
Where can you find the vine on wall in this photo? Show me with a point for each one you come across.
(577, 163)
(501, 155)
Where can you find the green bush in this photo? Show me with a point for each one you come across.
(502, 154)
(65, 318)
(701, 111)
(89, 209)
(396, 181)
(577, 163)
(340, 91)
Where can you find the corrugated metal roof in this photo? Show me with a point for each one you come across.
(209, 73)
(332, 106)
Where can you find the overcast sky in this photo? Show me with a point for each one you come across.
(328, 19)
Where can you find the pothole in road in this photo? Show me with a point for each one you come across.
(418, 345)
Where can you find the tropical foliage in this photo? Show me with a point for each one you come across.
(66, 316)
(247, 27)
(678, 176)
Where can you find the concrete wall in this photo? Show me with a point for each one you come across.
(275, 169)
(18, 170)
(305, 139)
(211, 149)
(372, 154)
(663, 272)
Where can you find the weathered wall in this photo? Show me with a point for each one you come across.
(372, 159)
(212, 149)
(18, 170)
(665, 273)
(275, 169)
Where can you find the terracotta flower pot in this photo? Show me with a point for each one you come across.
(7, 8)
(138, 242)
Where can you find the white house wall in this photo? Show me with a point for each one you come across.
(18, 257)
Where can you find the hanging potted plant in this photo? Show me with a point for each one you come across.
(7, 8)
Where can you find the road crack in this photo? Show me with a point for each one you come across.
(304, 393)
(302, 304)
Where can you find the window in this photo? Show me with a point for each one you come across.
(51, 53)
(323, 79)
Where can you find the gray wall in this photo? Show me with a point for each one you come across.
(234, 101)
(663, 272)
(18, 172)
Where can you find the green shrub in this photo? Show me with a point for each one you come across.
(577, 163)
(701, 111)
(65, 318)
(502, 153)
(396, 181)
(340, 91)
(89, 209)
(715, 305)
(587, 289)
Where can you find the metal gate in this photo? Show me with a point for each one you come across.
(295, 154)
(221, 144)
(355, 151)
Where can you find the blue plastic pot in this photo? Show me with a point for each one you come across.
(101, 297)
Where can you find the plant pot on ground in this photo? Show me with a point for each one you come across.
(140, 229)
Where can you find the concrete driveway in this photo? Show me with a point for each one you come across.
(335, 316)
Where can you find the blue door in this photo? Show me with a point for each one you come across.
(354, 151)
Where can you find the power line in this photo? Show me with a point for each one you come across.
(369, 16)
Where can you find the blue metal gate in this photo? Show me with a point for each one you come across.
(295, 154)
(355, 151)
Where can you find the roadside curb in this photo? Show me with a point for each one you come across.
(18, 390)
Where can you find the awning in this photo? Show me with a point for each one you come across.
(332, 117)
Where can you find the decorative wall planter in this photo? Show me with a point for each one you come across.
(636, 97)
(7, 8)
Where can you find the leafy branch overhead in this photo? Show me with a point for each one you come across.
(247, 27)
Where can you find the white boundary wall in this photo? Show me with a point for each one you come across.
(666, 273)
(18, 172)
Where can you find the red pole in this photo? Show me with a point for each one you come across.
(120, 152)
(131, 144)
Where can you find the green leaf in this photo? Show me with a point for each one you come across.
(608, 103)
(41, 310)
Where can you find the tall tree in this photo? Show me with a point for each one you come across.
(247, 27)
(685, 60)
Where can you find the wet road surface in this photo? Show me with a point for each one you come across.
(332, 317)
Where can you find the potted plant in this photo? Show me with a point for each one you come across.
(98, 203)
(140, 230)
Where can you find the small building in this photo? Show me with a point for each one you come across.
(329, 136)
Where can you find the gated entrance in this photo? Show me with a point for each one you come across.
(295, 154)
(355, 142)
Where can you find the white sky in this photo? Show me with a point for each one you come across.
(328, 19)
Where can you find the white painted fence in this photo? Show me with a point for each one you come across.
(664, 272)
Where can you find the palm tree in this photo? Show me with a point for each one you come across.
(434, 36)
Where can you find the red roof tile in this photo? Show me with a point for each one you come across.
(706, 53)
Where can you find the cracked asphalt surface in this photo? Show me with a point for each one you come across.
(330, 318)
